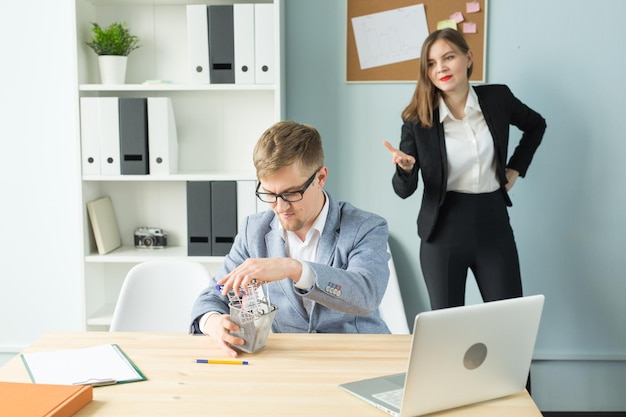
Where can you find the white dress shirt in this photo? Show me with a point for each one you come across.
(470, 149)
(307, 250)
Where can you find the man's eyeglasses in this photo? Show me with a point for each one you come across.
(289, 196)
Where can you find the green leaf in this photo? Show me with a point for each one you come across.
(115, 39)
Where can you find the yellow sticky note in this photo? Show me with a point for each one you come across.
(448, 23)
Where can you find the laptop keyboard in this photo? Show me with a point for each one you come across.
(393, 397)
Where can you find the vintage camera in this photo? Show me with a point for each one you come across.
(150, 238)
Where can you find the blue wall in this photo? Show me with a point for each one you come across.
(564, 59)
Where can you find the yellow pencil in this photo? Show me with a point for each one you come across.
(222, 361)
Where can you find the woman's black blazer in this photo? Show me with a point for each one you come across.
(427, 144)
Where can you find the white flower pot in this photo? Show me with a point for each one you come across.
(112, 69)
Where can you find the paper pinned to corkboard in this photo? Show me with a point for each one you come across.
(473, 26)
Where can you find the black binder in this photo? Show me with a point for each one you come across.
(199, 218)
(223, 216)
(133, 118)
(221, 44)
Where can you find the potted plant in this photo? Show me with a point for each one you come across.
(112, 44)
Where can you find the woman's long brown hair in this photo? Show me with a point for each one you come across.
(426, 96)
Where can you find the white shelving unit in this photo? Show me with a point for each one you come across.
(217, 127)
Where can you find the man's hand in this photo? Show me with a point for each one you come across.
(218, 326)
(262, 270)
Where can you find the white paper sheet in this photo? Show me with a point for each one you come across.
(389, 37)
(92, 365)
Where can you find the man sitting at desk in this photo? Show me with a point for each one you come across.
(324, 262)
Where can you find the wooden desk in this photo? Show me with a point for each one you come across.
(294, 375)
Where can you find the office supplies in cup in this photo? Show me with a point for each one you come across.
(254, 313)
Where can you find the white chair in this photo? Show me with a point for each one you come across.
(391, 308)
(157, 296)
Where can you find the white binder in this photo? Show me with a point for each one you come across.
(162, 137)
(246, 200)
(243, 22)
(90, 135)
(264, 43)
(109, 136)
(198, 43)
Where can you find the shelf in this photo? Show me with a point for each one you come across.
(102, 317)
(177, 87)
(131, 254)
(168, 2)
(174, 177)
(217, 127)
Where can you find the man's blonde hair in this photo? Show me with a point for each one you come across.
(285, 143)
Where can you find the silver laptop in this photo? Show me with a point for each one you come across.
(460, 356)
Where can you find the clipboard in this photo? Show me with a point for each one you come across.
(96, 366)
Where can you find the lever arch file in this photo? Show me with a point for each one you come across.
(246, 200)
(223, 216)
(264, 43)
(109, 135)
(162, 137)
(199, 218)
(198, 43)
(243, 25)
(221, 44)
(133, 136)
(90, 135)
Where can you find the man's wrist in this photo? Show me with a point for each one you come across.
(202, 323)
(307, 277)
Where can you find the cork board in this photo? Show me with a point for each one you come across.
(435, 11)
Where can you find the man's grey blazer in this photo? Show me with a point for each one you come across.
(351, 273)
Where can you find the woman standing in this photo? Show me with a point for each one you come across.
(457, 135)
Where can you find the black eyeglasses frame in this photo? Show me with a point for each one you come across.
(264, 196)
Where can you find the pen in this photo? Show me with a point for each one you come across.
(222, 361)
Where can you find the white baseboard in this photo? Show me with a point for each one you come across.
(5, 357)
(8, 352)
(11, 349)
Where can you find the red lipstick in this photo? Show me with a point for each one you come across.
(445, 78)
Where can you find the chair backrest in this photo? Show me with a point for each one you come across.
(391, 307)
(157, 296)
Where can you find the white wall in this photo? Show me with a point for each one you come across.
(565, 60)
(39, 228)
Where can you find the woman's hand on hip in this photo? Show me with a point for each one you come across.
(511, 177)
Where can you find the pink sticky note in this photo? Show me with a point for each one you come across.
(472, 7)
(457, 17)
(469, 27)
